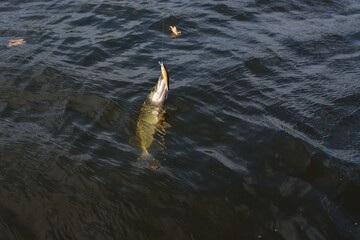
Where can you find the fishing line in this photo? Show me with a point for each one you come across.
(162, 40)
(163, 31)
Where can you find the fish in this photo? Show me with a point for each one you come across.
(152, 113)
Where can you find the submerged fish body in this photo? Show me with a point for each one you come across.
(149, 117)
(152, 112)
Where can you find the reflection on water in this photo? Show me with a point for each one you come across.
(264, 114)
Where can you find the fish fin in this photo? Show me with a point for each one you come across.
(166, 125)
(145, 155)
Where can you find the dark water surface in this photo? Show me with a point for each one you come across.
(263, 136)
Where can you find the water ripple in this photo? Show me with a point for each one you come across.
(261, 137)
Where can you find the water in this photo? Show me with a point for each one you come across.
(262, 137)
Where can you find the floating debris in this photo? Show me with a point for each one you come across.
(16, 42)
(174, 31)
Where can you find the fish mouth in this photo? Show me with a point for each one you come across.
(165, 75)
(167, 83)
(163, 88)
(160, 92)
(163, 95)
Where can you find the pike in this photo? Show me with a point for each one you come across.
(152, 111)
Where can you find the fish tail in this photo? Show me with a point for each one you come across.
(145, 154)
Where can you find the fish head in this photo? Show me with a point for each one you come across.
(160, 92)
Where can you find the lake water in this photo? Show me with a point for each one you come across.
(262, 137)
